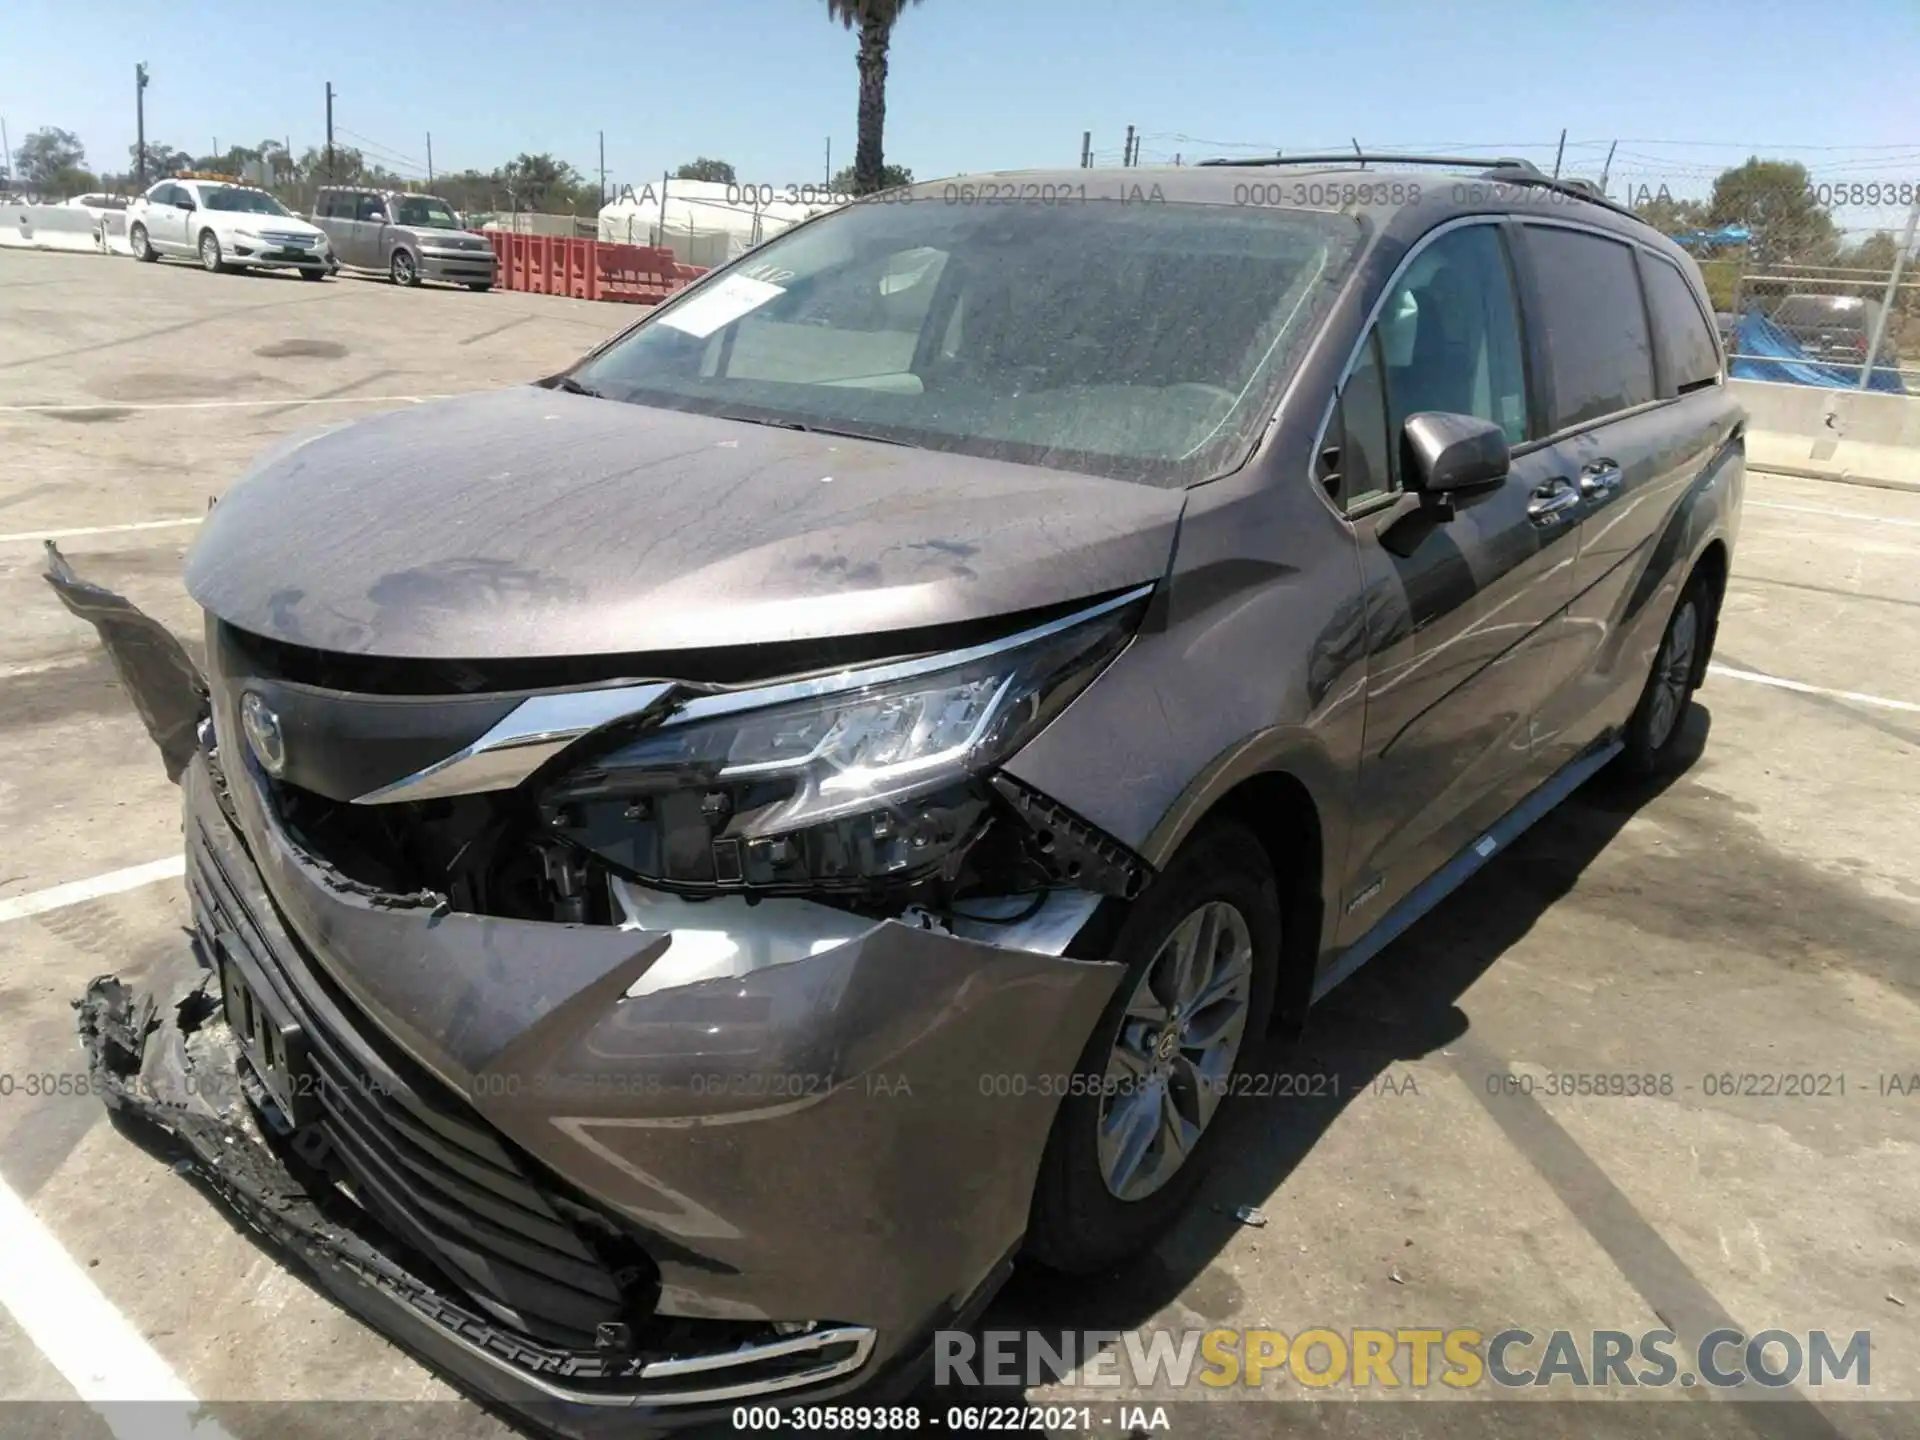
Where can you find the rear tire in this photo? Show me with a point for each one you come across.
(1220, 892)
(142, 248)
(211, 259)
(1661, 714)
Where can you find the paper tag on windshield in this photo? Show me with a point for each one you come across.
(719, 304)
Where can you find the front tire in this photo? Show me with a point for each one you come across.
(1658, 719)
(211, 259)
(480, 287)
(1135, 1134)
(314, 274)
(141, 246)
(403, 269)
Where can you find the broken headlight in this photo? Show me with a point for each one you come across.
(838, 782)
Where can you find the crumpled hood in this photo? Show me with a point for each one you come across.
(530, 522)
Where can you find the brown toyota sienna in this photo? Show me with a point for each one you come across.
(699, 863)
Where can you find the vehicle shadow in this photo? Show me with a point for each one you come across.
(1401, 1006)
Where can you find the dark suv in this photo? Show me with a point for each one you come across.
(760, 830)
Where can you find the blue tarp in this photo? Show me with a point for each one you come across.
(1781, 360)
(1725, 235)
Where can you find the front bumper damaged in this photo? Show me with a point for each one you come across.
(614, 1178)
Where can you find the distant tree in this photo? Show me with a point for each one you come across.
(874, 19)
(891, 176)
(162, 160)
(1775, 201)
(1877, 252)
(720, 172)
(469, 190)
(542, 183)
(45, 156)
(1670, 216)
(349, 165)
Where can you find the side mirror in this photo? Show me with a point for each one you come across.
(1445, 454)
(184, 204)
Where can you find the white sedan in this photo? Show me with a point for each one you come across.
(225, 224)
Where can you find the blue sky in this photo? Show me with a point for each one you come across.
(1685, 86)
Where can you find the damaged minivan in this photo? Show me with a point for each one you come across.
(699, 863)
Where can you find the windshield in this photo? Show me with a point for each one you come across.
(1141, 341)
(232, 197)
(429, 211)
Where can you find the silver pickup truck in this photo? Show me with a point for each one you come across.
(408, 237)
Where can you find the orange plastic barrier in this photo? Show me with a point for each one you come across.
(589, 269)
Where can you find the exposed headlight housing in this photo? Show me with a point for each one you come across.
(785, 789)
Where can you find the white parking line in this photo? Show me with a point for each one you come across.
(75, 891)
(93, 1346)
(103, 529)
(1867, 515)
(225, 404)
(1802, 688)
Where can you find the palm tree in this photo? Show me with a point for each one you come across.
(875, 20)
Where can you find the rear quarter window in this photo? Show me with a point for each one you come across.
(1599, 350)
(1687, 340)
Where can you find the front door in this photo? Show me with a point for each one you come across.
(1465, 613)
(167, 225)
(369, 224)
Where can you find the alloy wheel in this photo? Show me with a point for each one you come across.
(1673, 673)
(1173, 1057)
(209, 251)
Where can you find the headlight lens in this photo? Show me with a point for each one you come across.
(868, 782)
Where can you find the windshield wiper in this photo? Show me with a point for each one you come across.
(574, 387)
(819, 430)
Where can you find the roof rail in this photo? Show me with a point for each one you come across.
(1526, 173)
(1507, 169)
(1349, 157)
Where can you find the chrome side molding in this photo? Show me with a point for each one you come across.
(523, 740)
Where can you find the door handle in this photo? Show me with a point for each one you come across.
(1551, 500)
(1602, 477)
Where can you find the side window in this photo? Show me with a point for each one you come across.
(163, 195)
(1449, 335)
(328, 206)
(1686, 339)
(369, 207)
(1598, 349)
(1358, 457)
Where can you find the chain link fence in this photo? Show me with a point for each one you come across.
(1840, 325)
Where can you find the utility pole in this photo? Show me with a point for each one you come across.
(603, 165)
(1126, 150)
(6, 155)
(1086, 149)
(829, 162)
(603, 168)
(1893, 294)
(1607, 169)
(1560, 152)
(140, 124)
(329, 132)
